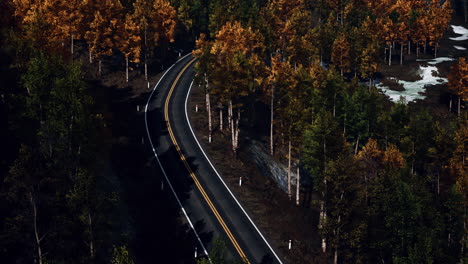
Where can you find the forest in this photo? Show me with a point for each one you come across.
(390, 178)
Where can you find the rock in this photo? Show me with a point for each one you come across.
(270, 167)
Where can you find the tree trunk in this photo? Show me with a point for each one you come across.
(435, 49)
(237, 130)
(126, 69)
(208, 107)
(99, 67)
(91, 236)
(229, 115)
(463, 238)
(459, 105)
(71, 46)
(146, 54)
(289, 169)
(401, 54)
(344, 126)
(146, 70)
(409, 47)
(425, 46)
(234, 128)
(90, 54)
(450, 105)
(466, 10)
(272, 118)
(334, 104)
(357, 145)
(36, 231)
(385, 55)
(298, 185)
(220, 117)
(390, 55)
(322, 220)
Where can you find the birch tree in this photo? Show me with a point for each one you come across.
(236, 56)
(458, 81)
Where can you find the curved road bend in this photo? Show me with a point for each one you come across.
(206, 200)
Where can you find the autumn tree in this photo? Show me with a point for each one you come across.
(439, 19)
(156, 21)
(340, 54)
(203, 75)
(458, 81)
(129, 41)
(102, 29)
(236, 51)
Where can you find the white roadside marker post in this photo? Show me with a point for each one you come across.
(148, 85)
(196, 108)
(290, 244)
(138, 108)
(240, 181)
(195, 252)
(162, 185)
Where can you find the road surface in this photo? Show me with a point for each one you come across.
(209, 206)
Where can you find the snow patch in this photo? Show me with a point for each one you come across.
(460, 31)
(459, 48)
(437, 60)
(413, 90)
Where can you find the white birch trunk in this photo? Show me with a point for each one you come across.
(221, 117)
(146, 54)
(208, 107)
(36, 231)
(126, 69)
(322, 220)
(450, 104)
(272, 118)
(334, 104)
(237, 129)
(289, 169)
(298, 183)
(229, 115)
(357, 146)
(233, 132)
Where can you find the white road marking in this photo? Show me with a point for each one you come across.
(209, 161)
(160, 165)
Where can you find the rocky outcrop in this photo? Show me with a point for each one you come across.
(269, 166)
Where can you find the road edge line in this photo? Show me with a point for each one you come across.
(159, 162)
(219, 176)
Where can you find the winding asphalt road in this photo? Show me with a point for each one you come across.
(207, 203)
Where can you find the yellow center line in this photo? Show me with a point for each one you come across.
(194, 177)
